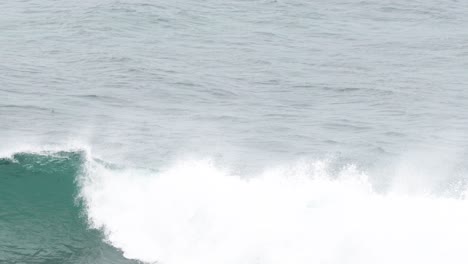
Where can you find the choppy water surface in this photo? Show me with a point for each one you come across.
(241, 131)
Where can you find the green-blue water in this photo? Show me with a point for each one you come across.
(41, 219)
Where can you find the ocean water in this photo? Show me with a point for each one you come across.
(207, 132)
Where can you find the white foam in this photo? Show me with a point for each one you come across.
(196, 213)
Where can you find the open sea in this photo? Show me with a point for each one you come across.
(233, 132)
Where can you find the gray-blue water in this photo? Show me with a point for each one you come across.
(251, 84)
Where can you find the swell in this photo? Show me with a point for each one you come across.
(41, 221)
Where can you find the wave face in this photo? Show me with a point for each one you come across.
(40, 219)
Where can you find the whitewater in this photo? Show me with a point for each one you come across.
(195, 212)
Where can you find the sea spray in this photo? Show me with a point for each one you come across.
(196, 212)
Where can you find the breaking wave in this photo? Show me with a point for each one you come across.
(62, 207)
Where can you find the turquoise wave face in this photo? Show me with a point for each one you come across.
(41, 221)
